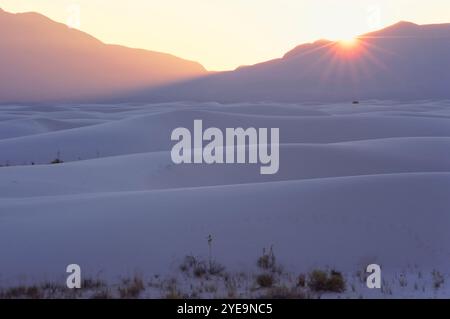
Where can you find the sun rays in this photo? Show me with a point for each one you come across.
(349, 42)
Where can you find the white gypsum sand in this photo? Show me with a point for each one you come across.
(357, 184)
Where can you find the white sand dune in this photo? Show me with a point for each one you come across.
(147, 171)
(346, 222)
(357, 184)
(148, 131)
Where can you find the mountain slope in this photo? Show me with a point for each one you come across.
(403, 62)
(42, 60)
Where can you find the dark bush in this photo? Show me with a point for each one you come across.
(264, 280)
(319, 280)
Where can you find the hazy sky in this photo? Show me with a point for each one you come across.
(223, 34)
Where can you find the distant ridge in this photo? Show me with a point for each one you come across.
(42, 60)
(45, 61)
(404, 61)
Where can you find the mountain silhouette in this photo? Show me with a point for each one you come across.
(405, 61)
(47, 61)
(42, 60)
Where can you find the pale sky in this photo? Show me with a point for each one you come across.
(224, 34)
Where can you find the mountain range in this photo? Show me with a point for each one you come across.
(46, 61)
(42, 60)
(405, 61)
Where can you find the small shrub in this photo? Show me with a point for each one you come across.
(188, 263)
(301, 280)
(216, 269)
(132, 288)
(336, 282)
(267, 261)
(438, 279)
(57, 161)
(264, 280)
(199, 270)
(317, 280)
(403, 282)
(320, 280)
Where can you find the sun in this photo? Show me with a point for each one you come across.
(348, 42)
(350, 47)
